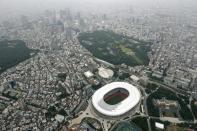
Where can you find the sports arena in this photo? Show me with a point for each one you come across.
(116, 99)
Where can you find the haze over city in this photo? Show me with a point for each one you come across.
(98, 65)
(30, 7)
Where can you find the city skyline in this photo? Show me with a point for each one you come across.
(79, 65)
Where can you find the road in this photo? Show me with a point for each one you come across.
(175, 90)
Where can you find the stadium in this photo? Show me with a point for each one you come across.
(115, 100)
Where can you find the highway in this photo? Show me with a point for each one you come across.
(175, 90)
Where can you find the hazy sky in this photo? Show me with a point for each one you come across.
(9, 8)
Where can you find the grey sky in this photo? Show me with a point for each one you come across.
(9, 8)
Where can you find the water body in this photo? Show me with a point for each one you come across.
(115, 48)
(13, 52)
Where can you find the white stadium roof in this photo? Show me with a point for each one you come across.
(118, 109)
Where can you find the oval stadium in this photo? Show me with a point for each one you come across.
(116, 99)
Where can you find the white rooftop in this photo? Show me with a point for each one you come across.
(118, 109)
(105, 73)
(159, 125)
(88, 74)
(134, 78)
(59, 118)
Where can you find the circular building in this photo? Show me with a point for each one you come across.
(105, 73)
(116, 99)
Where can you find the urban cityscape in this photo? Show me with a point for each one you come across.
(99, 67)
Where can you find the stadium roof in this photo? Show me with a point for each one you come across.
(118, 109)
